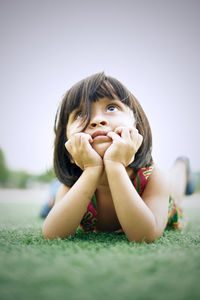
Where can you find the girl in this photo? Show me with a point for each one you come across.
(103, 159)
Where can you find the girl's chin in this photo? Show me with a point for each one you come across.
(101, 148)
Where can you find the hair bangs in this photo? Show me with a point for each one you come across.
(89, 90)
(121, 92)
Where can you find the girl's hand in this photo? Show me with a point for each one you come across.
(83, 155)
(126, 142)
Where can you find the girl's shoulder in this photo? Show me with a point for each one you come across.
(147, 176)
(159, 178)
(153, 170)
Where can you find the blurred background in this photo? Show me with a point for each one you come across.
(151, 46)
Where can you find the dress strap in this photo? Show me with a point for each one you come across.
(139, 178)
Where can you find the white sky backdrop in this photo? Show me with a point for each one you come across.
(153, 47)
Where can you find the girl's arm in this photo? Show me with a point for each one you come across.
(141, 218)
(71, 203)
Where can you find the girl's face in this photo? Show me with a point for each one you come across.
(106, 115)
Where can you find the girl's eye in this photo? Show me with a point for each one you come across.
(78, 115)
(112, 108)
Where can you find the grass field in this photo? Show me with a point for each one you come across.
(90, 266)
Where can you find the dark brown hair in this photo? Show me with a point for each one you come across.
(83, 93)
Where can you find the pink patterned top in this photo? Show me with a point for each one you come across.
(139, 180)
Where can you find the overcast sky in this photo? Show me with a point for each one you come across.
(47, 45)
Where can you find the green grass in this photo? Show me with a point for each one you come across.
(90, 266)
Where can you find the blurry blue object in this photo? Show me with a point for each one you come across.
(54, 187)
(190, 187)
(47, 206)
(45, 210)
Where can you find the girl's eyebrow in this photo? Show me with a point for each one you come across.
(117, 100)
(121, 100)
(114, 100)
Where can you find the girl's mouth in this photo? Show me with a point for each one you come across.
(100, 135)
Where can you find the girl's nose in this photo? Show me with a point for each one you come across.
(98, 121)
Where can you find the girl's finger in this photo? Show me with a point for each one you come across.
(114, 136)
(86, 142)
(77, 140)
(118, 130)
(140, 140)
(87, 137)
(125, 133)
(68, 145)
(134, 133)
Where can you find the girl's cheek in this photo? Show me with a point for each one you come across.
(72, 130)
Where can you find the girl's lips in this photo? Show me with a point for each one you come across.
(100, 135)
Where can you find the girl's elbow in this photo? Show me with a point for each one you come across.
(153, 234)
(143, 239)
(51, 235)
(48, 233)
(148, 236)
